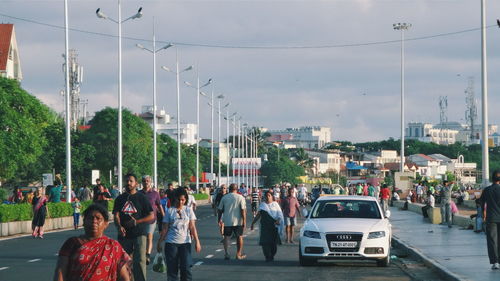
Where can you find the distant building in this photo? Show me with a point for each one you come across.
(304, 137)
(218, 148)
(10, 64)
(446, 133)
(164, 125)
(325, 161)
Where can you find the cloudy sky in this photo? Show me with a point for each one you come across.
(281, 64)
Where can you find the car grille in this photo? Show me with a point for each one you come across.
(344, 237)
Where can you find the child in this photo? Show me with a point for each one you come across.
(76, 212)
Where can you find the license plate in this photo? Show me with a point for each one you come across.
(343, 244)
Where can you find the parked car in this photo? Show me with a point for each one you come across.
(345, 227)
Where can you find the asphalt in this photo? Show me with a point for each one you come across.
(456, 253)
(25, 258)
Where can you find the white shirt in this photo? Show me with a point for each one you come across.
(178, 225)
(191, 201)
(231, 206)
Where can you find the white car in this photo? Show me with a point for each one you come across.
(345, 227)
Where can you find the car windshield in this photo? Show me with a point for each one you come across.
(346, 209)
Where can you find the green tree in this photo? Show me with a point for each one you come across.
(282, 170)
(137, 142)
(23, 120)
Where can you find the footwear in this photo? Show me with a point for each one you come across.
(242, 257)
(226, 257)
(148, 259)
(495, 266)
(41, 236)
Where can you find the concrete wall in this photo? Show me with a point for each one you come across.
(24, 227)
(435, 213)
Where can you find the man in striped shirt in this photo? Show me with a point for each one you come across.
(255, 200)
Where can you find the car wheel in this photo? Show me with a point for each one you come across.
(305, 261)
(385, 261)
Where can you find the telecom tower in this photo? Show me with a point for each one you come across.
(471, 111)
(443, 108)
(75, 80)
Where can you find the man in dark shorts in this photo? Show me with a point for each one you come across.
(232, 214)
(132, 212)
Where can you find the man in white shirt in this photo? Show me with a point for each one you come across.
(232, 214)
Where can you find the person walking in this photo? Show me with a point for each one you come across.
(290, 206)
(76, 212)
(255, 201)
(178, 232)
(271, 226)
(92, 256)
(385, 195)
(103, 196)
(371, 190)
(491, 199)
(154, 199)
(446, 204)
(39, 212)
(132, 211)
(232, 215)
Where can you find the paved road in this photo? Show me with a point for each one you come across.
(26, 258)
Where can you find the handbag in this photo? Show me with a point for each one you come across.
(159, 263)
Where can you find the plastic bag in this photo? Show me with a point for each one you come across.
(159, 264)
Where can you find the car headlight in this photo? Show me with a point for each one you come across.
(376, 234)
(312, 234)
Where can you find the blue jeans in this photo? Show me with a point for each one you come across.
(76, 219)
(178, 258)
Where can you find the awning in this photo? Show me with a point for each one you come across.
(354, 166)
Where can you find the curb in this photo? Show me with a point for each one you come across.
(445, 273)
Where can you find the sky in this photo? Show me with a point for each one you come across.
(281, 64)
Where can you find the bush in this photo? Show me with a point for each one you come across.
(4, 195)
(24, 211)
(200, 196)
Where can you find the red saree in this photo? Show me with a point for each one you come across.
(98, 260)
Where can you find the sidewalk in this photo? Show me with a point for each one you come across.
(458, 254)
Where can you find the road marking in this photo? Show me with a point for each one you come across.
(3, 268)
(209, 256)
(218, 250)
(233, 243)
(199, 263)
(34, 260)
(56, 254)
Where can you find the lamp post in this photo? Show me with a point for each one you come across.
(219, 112)
(227, 144)
(177, 74)
(239, 152)
(245, 154)
(402, 27)
(154, 51)
(137, 15)
(198, 93)
(67, 104)
(484, 99)
(234, 145)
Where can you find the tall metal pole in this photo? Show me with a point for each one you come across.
(120, 145)
(402, 27)
(197, 128)
(251, 161)
(155, 160)
(68, 107)
(227, 145)
(239, 153)
(212, 134)
(234, 145)
(179, 178)
(218, 141)
(484, 101)
(245, 155)
(256, 156)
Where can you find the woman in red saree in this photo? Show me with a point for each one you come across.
(92, 256)
(39, 212)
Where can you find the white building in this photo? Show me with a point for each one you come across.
(382, 157)
(164, 125)
(326, 161)
(304, 137)
(218, 148)
(446, 133)
(10, 64)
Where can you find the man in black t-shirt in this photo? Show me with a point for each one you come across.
(132, 212)
(491, 198)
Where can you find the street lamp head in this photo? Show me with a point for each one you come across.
(228, 104)
(187, 68)
(166, 46)
(220, 96)
(188, 84)
(166, 68)
(208, 83)
(100, 14)
(401, 26)
(140, 46)
(203, 94)
(138, 15)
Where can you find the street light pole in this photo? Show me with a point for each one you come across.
(239, 152)
(177, 74)
(402, 27)
(155, 156)
(227, 146)
(484, 100)
(234, 146)
(101, 15)
(68, 108)
(212, 134)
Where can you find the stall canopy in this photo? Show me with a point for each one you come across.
(354, 166)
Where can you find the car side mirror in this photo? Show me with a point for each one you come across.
(305, 213)
(387, 214)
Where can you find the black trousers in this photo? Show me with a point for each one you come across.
(492, 239)
(269, 250)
